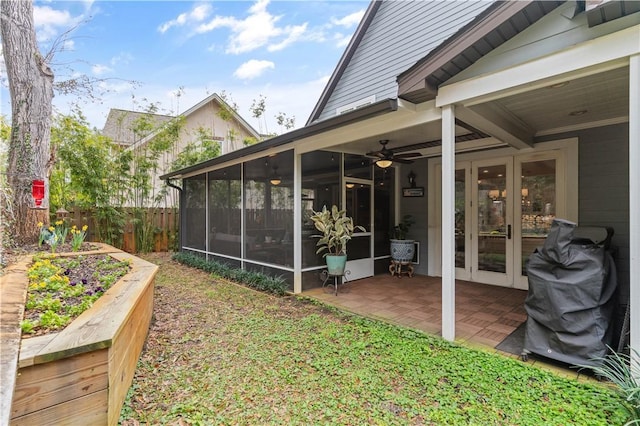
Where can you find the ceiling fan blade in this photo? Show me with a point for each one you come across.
(407, 155)
(403, 161)
(375, 154)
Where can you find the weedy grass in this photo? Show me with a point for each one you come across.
(219, 353)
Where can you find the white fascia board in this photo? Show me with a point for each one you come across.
(591, 57)
(407, 115)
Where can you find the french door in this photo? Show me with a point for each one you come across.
(492, 228)
(504, 207)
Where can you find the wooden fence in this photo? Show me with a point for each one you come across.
(162, 222)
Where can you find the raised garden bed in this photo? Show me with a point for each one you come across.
(81, 375)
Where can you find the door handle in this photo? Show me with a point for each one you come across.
(508, 232)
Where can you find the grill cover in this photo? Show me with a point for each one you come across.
(570, 299)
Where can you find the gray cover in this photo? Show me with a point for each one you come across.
(570, 299)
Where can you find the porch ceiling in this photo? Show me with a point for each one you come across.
(585, 102)
(590, 101)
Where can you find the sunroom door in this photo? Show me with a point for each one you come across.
(358, 202)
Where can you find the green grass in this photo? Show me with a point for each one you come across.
(222, 354)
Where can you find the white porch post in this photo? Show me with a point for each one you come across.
(634, 203)
(297, 222)
(448, 224)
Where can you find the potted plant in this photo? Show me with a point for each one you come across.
(337, 229)
(402, 250)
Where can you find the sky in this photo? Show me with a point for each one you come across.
(173, 54)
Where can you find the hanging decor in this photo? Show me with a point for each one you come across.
(37, 192)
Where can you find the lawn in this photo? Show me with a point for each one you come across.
(219, 353)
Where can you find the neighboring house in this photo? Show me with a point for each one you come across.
(121, 124)
(514, 113)
(205, 118)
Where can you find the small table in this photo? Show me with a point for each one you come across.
(326, 276)
(396, 268)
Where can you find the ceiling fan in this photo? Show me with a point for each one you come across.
(386, 157)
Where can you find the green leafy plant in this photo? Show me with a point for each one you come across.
(256, 280)
(53, 235)
(54, 299)
(401, 230)
(621, 370)
(337, 229)
(77, 237)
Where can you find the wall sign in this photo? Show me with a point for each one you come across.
(413, 192)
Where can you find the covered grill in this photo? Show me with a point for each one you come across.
(572, 282)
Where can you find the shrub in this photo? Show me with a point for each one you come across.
(255, 280)
(620, 370)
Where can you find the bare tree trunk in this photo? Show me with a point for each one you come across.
(31, 89)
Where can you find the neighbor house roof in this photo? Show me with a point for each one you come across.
(120, 122)
(214, 97)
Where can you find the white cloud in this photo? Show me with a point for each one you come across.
(258, 29)
(122, 58)
(349, 20)
(100, 69)
(198, 14)
(68, 45)
(48, 22)
(341, 39)
(252, 69)
(295, 33)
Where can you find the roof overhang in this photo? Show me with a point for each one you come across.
(281, 141)
(494, 26)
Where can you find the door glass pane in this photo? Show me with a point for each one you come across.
(538, 202)
(460, 212)
(358, 199)
(492, 214)
(383, 218)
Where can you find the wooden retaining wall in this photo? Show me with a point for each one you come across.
(82, 374)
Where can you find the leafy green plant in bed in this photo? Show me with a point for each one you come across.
(61, 288)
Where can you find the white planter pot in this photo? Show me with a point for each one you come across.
(402, 250)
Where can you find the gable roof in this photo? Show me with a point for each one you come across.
(494, 26)
(224, 104)
(344, 59)
(391, 37)
(120, 122)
